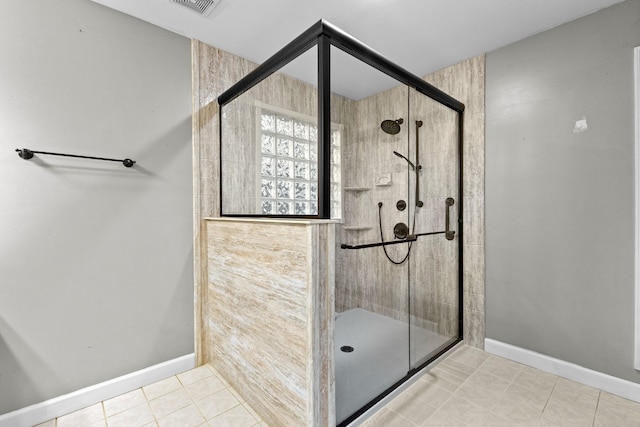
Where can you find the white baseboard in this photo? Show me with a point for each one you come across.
(619, 387)
(65, 404)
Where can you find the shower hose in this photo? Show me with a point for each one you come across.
(384, 248)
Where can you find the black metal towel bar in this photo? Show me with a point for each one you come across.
(26, 154)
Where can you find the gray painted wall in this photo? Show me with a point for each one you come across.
(96, 264)
(559, 204)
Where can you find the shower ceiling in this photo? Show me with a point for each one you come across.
(420, 35)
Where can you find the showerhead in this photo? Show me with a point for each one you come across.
(408, 161)
(391, 127)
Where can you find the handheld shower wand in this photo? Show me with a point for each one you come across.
(403, 157)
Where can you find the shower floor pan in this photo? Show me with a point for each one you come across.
(379, 359)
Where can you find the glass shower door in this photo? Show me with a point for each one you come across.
(371, 334)
(434, 284)
(396, 280)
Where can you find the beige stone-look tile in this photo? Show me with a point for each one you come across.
(82, 417)
(442, 379)
(50, 423)
(570, 408)
(493, 420)
(456, 368)
(537, 397)
(573, 389)
(217, 403)
(535, 379)
(100, 423)
(442, 418)
(253, 413)
(235, 417)
(194, 375)
(517, 414)
(387, 418)
(162, 387)
(236, 394)
(123, 402)
(489, 381)
(469, 356)
(501, 367)
(427, 391)
(570, 403)
(612, 414)
(169, 403)
(563, 422)
(135, 417)
(520, 405)
(478, 394)
(189, 416)
(205, 387)
(457, 408)
(414, 408)
(607, 399)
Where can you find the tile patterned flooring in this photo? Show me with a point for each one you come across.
(469, 388)
(474, 388)
(199, 397)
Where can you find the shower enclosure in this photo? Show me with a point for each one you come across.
(328, 129)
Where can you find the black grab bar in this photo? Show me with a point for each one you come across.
(27, 154)
(410, 238)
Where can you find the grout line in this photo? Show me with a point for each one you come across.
(104, 414)
(504, 392)
(595, 414)
(544, 408)
(411, 423)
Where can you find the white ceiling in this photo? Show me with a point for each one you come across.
(421, 36)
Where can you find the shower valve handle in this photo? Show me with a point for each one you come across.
(448, 234)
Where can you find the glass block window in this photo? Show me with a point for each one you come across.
(289, 165)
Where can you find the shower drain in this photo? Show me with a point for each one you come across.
(346, 348)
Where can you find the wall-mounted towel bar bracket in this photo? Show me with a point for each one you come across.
(27, 154)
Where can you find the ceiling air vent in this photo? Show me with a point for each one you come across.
(201, 7)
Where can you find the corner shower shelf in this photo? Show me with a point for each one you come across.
(357, 189)
(356, 227)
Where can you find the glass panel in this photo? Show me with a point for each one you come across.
(266, 133)
(371, 291)
(433, 284)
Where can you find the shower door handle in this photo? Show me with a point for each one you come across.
(448, 234)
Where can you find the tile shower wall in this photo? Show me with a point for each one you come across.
(466, 82)
(269, 316)
(377, 284)
(368, 152)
